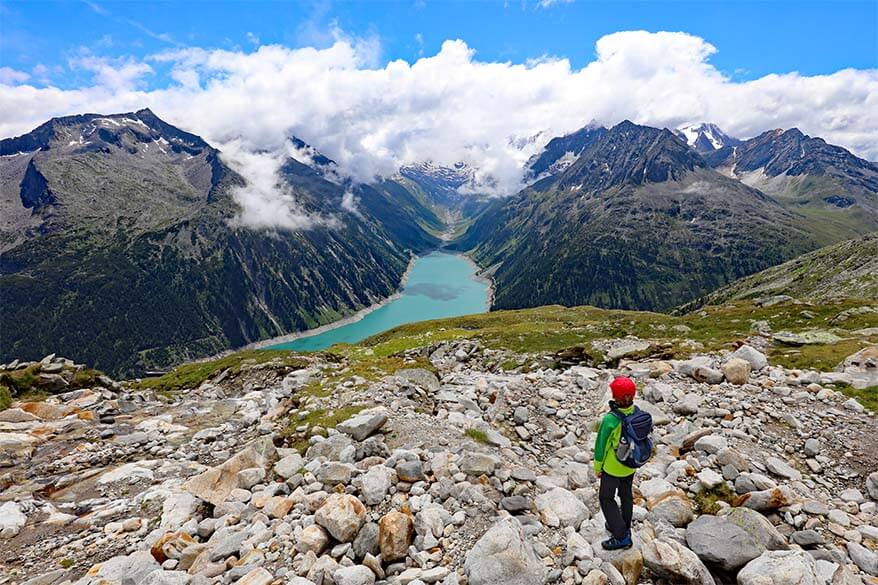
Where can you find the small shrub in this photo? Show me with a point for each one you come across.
(707, 501)
(477, 436)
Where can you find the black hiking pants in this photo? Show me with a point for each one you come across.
(618, 519)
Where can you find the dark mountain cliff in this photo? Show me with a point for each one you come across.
(120, 247)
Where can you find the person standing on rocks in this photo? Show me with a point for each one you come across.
(614, 475)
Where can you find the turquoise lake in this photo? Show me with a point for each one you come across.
(440, 285)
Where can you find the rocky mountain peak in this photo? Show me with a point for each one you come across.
(705, 137)
(561, 152)
(630, 153)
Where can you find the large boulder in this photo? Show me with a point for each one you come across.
(362, 425)
(215, 484)
(767, 500)
(121, 570)
(781, 567)
(673, 561)
(341, 515)
(356, 575)
(754, 357)
(12, 520)
(395, 534)
(420, 377)
(721, 542)
(375, 484)
(559, 507)
(503, 556)
(626, 563)
(737, 371)
(758, 526)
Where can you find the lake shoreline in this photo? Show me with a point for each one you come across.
(358, 316)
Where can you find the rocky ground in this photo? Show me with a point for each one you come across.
(451, 471)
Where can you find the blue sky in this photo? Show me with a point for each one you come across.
(753, 38)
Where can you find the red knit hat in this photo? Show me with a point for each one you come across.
(623, 387)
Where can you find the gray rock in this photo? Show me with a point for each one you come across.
(410, 470)
(362, 425)
(670, 560)
(515, 504)
(504, 556)
(559, 507)
(806, 538)
(375, 484)
(333, 472)
(473, 463)
(420, 377)
(719, 541)
(289, 466)
(356, 575)
(872, 485)
(756, 358)
(341, 515)
(812, 447)
(225, 542)
(783, 469)
(711, 444)
(122, 570)
(688, 404)
(366, 541)
(758, 526)
(49, 578)
(167, 578)
(785, 567)
(863, 558)
(806, 338)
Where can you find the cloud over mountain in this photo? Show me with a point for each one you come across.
(451, 106)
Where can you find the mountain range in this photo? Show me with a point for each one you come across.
(638, 220)
(122, 243)
(119, 244)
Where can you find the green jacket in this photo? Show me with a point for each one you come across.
(605, 446)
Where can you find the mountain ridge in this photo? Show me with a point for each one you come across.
(137, 246)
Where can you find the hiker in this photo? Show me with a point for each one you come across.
(623, 444)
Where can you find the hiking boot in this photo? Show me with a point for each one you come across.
(617, 543)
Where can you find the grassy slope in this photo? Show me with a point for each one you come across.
(551, 328)
(846, 269)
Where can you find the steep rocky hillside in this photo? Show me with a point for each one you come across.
(836, 190)
(119, 245)
(453, 452)
(637, 221)
(846, 269)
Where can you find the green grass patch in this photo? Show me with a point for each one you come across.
(868, 396)
(5, 397)
(192, 375)
(551, 328)
(819, 357)
(325, 419)
(477, 436)
(707, 501)
(20, 381)
(358, 363)
(67, 563)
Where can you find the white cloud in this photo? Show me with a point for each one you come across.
(267, 203)
(116, 75)
(252, 38)
(451, 106)
(10, 76)
(349, 203)
(548, 3)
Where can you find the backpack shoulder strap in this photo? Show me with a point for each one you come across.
(618, 414)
